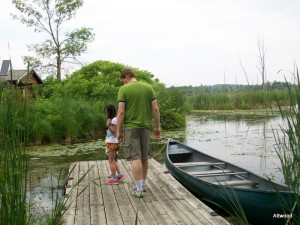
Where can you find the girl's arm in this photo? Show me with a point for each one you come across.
(108, 122)
(113, 128)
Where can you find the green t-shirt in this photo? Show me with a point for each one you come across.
(138, 97)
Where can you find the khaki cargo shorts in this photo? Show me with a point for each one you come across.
(137, 143)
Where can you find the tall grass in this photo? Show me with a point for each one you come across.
(13, 162)
(64, 119)
(15, 206)
(288, 145)
(244, 100)
(234, 207)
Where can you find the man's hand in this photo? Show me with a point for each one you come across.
(120, 137)
(157, 132)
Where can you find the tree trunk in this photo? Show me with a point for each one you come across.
(58, 67)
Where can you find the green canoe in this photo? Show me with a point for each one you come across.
(263, 201)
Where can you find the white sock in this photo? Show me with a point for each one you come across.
(144, 183)
(139, 185)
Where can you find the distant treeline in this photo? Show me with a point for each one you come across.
(221, 88)
(231, 96)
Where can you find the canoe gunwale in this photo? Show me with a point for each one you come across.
(172, 141)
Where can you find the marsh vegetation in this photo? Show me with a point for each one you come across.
(63, 121)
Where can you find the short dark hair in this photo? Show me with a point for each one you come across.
(111, 111)
(127, 71)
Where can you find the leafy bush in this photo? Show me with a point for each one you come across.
(172, 108)
(172, 120)
(66, 119)
(73, 109)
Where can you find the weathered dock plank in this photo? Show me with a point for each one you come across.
(202, 209)
(90, 201)
(96, 201)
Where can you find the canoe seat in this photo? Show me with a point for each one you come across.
(223, 173)
(188, 164)
(179, 152)
(209, 172)
(237, 183)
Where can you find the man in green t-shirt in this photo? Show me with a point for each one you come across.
(137, 106)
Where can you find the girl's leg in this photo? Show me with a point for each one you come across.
(118, 169)
(116, 165)
(120, 176)
(111, 160)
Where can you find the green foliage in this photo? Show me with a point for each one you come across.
(173, 109)
(90, 82)
(17, 118)
(73, 109)
(13, 161)
(172, 120)
(41, 130)
(49, 17)
(221, 88)
(212, 101)
(238, 100)
(101, 80)
(288, 146)
(64, 118)
(51, 87)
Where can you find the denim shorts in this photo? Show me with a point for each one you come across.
(137, 143)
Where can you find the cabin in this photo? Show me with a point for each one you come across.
(18, 78)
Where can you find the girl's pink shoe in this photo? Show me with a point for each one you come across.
(112, 181)
(120, 177)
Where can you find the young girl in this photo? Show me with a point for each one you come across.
(112, 144)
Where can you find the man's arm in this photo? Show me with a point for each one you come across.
(120, 120)
(156, 116)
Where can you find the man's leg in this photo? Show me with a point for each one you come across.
(136, 167)
(144, 169)
(132, 143)
(145, 149)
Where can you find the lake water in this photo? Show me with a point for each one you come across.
(246, 140)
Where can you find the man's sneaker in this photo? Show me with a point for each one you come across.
(112, 181)
(137, 194)
(145, 188)
(120, 177)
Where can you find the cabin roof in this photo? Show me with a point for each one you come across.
(5, 67)
(7, 74)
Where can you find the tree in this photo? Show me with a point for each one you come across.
(262, 62)
(49, 16)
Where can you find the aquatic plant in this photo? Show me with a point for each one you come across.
(64, 119)
(13, 161)
(234, 207)
(288, 145)
(15, 204)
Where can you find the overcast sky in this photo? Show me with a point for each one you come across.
(182, 42)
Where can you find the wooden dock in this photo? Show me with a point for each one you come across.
(166, 201)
